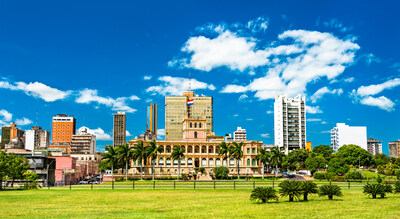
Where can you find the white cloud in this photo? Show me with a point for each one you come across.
(89, 95)
(37, 89)
(370, 58)
(249, 119)
(314, 120)
(381, 102)
(177, 85)
(335, 23)
(257, 25)
(265, 135)
(6, 115)
(348, 80)
(128, 134)
(270, 111)
(161, 132)
(147, 77)
(243, 97)
(100, 134)
(377, 88)
(23, 121)
(322, 91)
(236, 115)
(313, 109)
(134, 97)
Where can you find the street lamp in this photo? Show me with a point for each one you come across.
(47, 175)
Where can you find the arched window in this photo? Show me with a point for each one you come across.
(199, 125)
(217, 162)
(190, 162)
(196, 149)
(183, 161)
(211, 162)
(203, 149)
(175, 162)
(248, 162)
(210, 149)
(190, 149)
(168, 161)
(168, 149)
(191, 125)
(204, 162)
(253, 162)
(161, 161)
(195, 134)
(232, 161)
(195, 125)
(224, 162)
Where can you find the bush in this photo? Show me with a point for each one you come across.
(330, 191)
(397, 188)
(380, 169)
(309, 187)
(377, 189)
(183, 176)
(291, 188)
(329, 176)
(338, 166)
(319, 175)
(386, 189)
(379, 179)
(397, 173)
(221, 172)
(196, 169)
(263, 194)
(354, 174)
(119, 179)
(202, 169)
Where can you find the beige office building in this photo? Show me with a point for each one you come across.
(119, 130)
(176, 108)
(394, 149)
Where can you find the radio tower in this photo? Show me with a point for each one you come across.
(190, 84)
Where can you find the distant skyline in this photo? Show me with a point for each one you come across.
(91, 59)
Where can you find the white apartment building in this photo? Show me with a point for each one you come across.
(239, 135)
(374, 146)
(290, 122)
(36, 138)
(343, 134)
(83, 143)
(228, 138)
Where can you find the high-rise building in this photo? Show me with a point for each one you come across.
(374, 146)
(343, 134)
(153, 119)
(12, 137)
(239, 135)
(83, 143)
(119, 130)
(394, 149)
(309, 146)
(37, 138)
(63, 127)
(186, 106)
(290, 122)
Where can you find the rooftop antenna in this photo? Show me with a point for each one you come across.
(190, 83)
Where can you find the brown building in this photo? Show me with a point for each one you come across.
(12, 137)
(63, 127)
(119, 130)
(394, 149)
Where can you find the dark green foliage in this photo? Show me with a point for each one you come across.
(202, 169)
(397, 173)
(323, 150)
(237, 153)
(309, 187)
(291, 188)
(397, 188)
(338, 166)
(178, 153)
(386, 189)
(296, 159)
(221, 172)
(315, 163)
(17, 166)
(377, 189)
(330, 191)
(380, 160)
(380, 169)
(379, 179)
(354, 174)
(319, 175)
(330, 176)
(354, 155)
(263, 194)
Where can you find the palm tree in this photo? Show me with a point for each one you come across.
(139, 154)
(263, 156)
(177, 154)
(277, 156)
(152, 151)
(237, 153)
(330, 191)
(290, 188)
(111, 157)
(263, 194)
(309, 187)
(124, 154)
(224, 150)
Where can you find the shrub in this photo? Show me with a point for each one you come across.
(380, 169)
(397, 173)
(338, 166)
(379, 179)
(386, 189)
(397, 188)
(263, 194)
(354, 174)
(202, 169)
(290, 188)
(330, 191)
(183, 176)
(373, 190)
(221, 172)
(329, 176)
(319, 175)
(119, 179)
(196, 169)
(309, 187)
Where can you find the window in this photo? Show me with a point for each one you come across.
(204, 162)
(183, 161)
(232, 161)
(199, 125)
(190, 161)
(161, 161)
(248, 162)
(253, 162)
(211, 162)
(248, 150)
(195, 125)
(175, 162)
(218, 162)
(191, 125)
(224, 162)
(195, 134)
(168, 161)
(253, 150)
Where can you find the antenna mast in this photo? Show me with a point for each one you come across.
(190, 83)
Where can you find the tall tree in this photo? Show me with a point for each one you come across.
(323, 150)
(237, 153)
(354, 155)
(225, 151)
(17, 166)
(152, 151)
(139, 154)
(177, 154)
(125, 155)
(111, 157)
(263, 156)
(277, 155)
(3, 167)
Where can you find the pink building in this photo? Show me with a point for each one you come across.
(65, 170)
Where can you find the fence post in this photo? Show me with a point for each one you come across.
(154, 184)
(92, 185)
(194, 185)
(273, 182)
(214, 185)
(69, 185)
(174, 184)
(133, 184)
(349, 183)
(254, 184)
(234, 184)
(330, 182)
(112, 184)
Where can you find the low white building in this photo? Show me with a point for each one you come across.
(344, 134)
(240, 135)
(37, 138)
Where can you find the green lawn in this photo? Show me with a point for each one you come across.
(183, 203)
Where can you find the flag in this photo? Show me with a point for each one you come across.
(190, 102)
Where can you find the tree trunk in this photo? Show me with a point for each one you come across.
(179, 168)
(126, 170)
(153, 169)
(305, 197)
(1, 183)
(238, 168)
(290, 198)
(382, 195)
(141, 169)
(112, 173)
(263, 200)
(12, 182)
(263, 171)
(276, 170)
(373, 196)
(330, 197)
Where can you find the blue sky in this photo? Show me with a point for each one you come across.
(91, 59)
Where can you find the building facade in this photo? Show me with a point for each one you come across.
(12, 137)
(83, 143)
(37, 138)
(374, 146)
(63, 127)
(343, 134)
(290, 122)
(188, 105)
(240, 135)
(119, 129)
(394, 149)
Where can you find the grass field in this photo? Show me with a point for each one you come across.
(183, 203)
